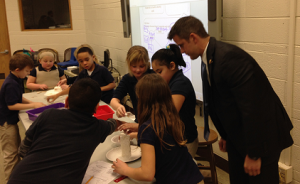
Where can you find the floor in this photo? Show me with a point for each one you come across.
(223, 177)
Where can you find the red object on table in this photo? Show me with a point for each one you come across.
(120, 179)
(104, 112)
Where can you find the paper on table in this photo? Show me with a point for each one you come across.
(102, 172)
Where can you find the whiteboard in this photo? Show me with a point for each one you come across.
(151, 21)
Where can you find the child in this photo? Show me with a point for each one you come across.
(60, 142)
(46, 75)
(100, 74)
(165, 62)
(11, 101)
(71, 80)
(160, 136)
(138, 65)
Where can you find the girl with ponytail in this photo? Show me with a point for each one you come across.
(166, 63)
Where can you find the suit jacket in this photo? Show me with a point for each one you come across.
(242, 103)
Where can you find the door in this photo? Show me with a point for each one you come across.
(4, 44)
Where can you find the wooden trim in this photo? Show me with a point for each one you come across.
(56, 29)
(221, 163)
(21, 15)
(5, 43)
(70, 14)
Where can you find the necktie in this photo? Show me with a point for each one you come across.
(205, 88)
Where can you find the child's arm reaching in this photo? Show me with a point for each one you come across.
(116, 105)
(26, 104)
(144, 173)
(108, 87)
(33, 86)
(52, 98)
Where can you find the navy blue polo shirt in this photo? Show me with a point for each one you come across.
(11, 93)
(181, 85)
(103, 77)
(33, 71)
(173, 164)
(127, 85)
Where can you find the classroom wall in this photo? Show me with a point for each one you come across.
(259, 27)
(104, 30)
(262, 29)
(58, 40)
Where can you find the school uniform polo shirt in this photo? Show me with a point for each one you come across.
(11, 93)
(181, 85)
(127, 85)
(63, 141)
(33, 71)
(173, 164)
(103, 77)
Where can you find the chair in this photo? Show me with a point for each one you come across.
(69, 59)
(55, 53)
(205, 153)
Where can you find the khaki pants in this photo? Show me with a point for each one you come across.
(192, 147)
(9, 144)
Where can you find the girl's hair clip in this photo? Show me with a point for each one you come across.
(168, 47)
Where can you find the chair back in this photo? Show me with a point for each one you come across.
(69, 54)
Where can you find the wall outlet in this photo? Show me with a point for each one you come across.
(285, 173)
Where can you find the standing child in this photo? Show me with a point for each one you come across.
(46, 75)
(138, 65)
(165, 62)
(100, 74)
(60, 142)
(11, 101)
(160, 136)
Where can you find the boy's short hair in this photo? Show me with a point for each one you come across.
(136, 54)
(184, 26)
(84, 95)
(20, 61)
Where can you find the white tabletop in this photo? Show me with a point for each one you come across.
(100, 151)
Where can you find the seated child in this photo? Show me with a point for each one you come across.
(160, 136)
(46, 75)
(60, 142)
(86, 58)
(11, 101)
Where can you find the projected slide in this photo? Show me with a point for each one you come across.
(155, 24)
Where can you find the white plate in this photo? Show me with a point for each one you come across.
(115, 153)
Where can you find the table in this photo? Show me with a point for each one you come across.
(100, 151)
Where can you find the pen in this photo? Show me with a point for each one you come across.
(89, 180)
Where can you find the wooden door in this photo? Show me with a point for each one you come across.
(4, 44)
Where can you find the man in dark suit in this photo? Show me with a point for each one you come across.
(242, 104)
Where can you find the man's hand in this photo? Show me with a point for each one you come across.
(252, 167)
(222, 145)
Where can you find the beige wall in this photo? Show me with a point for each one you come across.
(262, 29)
(58, 40)
(105, 31)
